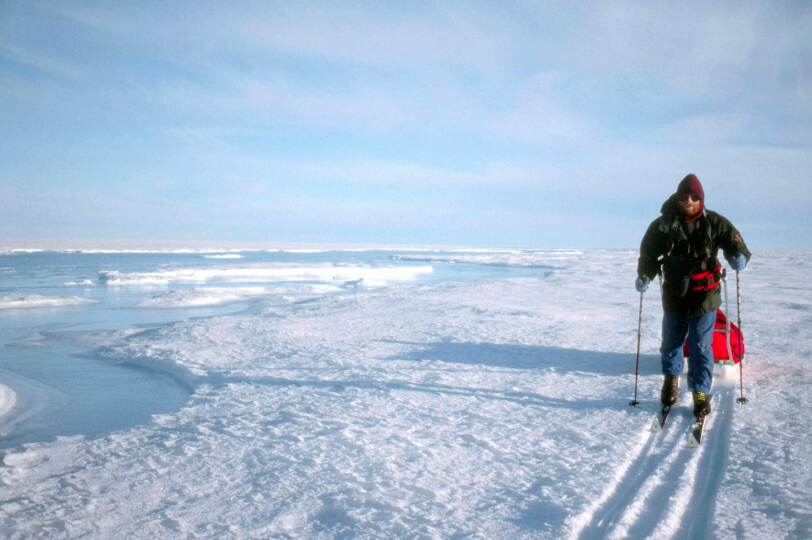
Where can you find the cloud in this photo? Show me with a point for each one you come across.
(39, 63)
(364, 33)
(697, 48)
(444, 115)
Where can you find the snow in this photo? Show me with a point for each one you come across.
(491, 409)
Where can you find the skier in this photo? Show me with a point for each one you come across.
(683, 244)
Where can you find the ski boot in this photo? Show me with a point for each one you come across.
(670, 391)
(702, 406)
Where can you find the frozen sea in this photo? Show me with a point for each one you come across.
(385, 394)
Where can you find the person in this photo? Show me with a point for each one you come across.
(682, 244)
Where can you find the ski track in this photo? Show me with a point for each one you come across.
(668, 489)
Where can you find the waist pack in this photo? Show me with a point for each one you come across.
(689, 274)
(707, 280)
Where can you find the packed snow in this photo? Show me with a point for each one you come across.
(487, 408)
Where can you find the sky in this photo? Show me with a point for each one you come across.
(493, 124)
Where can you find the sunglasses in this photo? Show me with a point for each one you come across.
(685, 197)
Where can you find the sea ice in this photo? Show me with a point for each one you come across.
(493, 409)
(28, 301)
(7, 400)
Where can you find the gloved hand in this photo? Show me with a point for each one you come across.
(738, 263)
(641, 284)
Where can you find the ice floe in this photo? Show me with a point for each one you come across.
(205, 296)
(224, 256)
(28, 301)
(372, 276)
(7, 400)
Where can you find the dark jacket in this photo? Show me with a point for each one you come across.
(667, 247)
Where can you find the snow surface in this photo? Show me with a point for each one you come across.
(489, 409)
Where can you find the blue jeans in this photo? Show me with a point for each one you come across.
(700, 334)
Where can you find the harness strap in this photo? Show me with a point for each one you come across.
(708, 280)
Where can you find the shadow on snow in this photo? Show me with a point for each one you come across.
(527, 357)
(520, 357)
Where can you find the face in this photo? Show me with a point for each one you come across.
(689, 204)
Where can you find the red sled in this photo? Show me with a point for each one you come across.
(720, 342)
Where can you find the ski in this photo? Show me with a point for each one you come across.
(662, 416)
(695, 436)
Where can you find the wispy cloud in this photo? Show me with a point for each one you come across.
(392, 113)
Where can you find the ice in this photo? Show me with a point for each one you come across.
(224, 256)
(28, 301)
(82, 282)
(520, 258)
(204, 296)
(372, 276)
(213, 296)
(7, 400)
(492, 409)
(12, 251)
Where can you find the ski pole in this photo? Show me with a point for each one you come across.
(634, 402)
(741, 398)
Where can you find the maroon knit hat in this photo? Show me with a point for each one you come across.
(691, 184)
